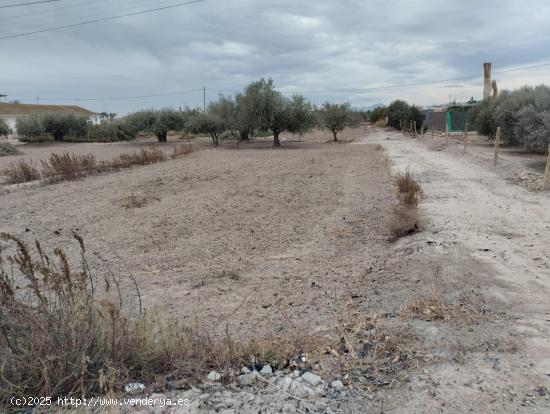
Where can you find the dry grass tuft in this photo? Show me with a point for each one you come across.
(410, 191)
(181, 150)
(429, 308)
(6, 149)
(374, 345)
(186, 136)
(144, 157)
(65, 166)
(405, 219)
(432, 307)
(20, 172)
(134, 201)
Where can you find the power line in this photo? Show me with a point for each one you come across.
(103, 19)
(27, 4)
(403, 85)
(48, 11)
(119, 98)
(203, 89)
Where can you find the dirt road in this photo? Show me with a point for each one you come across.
(474, 216)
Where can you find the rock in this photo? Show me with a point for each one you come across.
(214, 376)
(248, 379)
(320, 390)
(245, 370)
(284, 383)
(266, 371)
(312, 379)
(298, 389)
(337, 385)
(134, 388)
(296, 373)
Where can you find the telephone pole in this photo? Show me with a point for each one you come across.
(204, 99)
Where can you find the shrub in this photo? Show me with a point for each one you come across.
(523, 116)
(398, 112)
(405, 218)
(533, 128)
(335, 117)
(30, 128)
(20, 172)
(401, 114)
(144, 157)
(7, 149)
(67, 166)
(409, 190)
(378, 114)
(5, 130)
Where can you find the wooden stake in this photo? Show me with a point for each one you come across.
(546, 182)
(466, 138)
(433, 136)
(446, 132)
(414, 130)
(497, 147)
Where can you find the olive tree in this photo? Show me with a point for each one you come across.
(336, 117)
(158, 122)
(225, 109)
(29, 126)
(60, 124)
(4, 128)
(206, 123)
(268, 110)
(56, 124)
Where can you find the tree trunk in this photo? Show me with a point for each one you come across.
(334, 132)
(276, 142)
(244, 136)
(215, 140)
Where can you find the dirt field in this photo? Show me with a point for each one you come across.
(288, 242)
(243, 237)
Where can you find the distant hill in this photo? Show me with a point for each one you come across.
(370, 108)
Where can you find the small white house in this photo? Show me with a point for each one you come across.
(9, 112)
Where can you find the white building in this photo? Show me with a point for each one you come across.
(9, 112)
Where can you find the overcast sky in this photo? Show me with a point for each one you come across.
(309, 46)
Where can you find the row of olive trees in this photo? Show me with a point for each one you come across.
(260, 108)
(61, 126)
(523, 116)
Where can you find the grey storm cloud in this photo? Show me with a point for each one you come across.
(307, 46)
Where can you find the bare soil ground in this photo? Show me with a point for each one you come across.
(294, 242)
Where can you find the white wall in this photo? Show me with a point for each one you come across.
(10, 120)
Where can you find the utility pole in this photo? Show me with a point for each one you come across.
(204, 99)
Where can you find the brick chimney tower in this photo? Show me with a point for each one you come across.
(487, 87)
